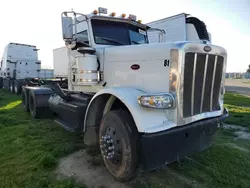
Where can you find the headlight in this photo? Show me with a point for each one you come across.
(161, 101)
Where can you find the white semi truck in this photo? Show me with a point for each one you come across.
(20, 66)
(145, 105)
(19, 61)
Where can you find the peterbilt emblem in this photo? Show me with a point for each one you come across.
(135, 66)
(207, 48)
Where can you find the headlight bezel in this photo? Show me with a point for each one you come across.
(169, 95)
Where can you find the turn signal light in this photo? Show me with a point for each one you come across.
(112, 14)
(95, 12)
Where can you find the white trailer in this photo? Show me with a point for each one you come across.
(46, 74)
(19, 62)
(144, 104)
(60, 62)
(181, 27)
(20, 66)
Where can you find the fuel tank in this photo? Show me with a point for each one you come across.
(70, 114)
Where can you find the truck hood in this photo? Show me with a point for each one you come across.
(152, 61)
(137, 52)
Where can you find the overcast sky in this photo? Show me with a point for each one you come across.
(38, 22)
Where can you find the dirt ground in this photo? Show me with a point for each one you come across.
(79, 166)
(241, 86)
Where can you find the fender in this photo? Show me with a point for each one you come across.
(147, 120)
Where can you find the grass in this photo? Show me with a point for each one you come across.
(239, 109)
(30, 149)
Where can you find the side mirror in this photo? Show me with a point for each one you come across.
(161, 37)
(67, 28)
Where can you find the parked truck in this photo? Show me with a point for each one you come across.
(19, 61)
(20, 66)
(145, 105)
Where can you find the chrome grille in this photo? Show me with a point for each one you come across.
(202, 81)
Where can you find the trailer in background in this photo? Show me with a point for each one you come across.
(179, 27)
(20, 66)
(46, 74)
(60, 62)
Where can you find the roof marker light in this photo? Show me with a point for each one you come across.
(95, 12)
(139, 21)
(123, 15)
(112, 14)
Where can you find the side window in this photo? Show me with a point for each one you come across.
(82, 31)
(137, 37)
(84, 36)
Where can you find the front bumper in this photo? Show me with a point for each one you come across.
(162, 148)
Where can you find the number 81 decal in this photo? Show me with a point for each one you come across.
(166, 62)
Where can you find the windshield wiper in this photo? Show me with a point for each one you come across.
(135, 42)
(111, 40)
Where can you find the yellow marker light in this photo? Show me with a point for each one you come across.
(123, 15)
(95, 12)
(113, 14)
(139, 21)
(151, 101)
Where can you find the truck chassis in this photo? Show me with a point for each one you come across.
(126, 152)
(15, 86)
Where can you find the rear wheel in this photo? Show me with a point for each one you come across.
(36, 110)
(25, 100)
(6, 84)
(12, 86)
(1, 82)
(119, 144)
(17, 87)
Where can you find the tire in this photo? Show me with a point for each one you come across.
(32, 105)
(25, 100)
(6, 84)
(119, 127)
(17, 87)
(11, 86)
(1, 82)
(37, 112)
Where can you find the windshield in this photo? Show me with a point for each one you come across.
(117, 33)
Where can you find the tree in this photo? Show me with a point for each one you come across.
(248, 70)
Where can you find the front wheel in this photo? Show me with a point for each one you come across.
(119, 144)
